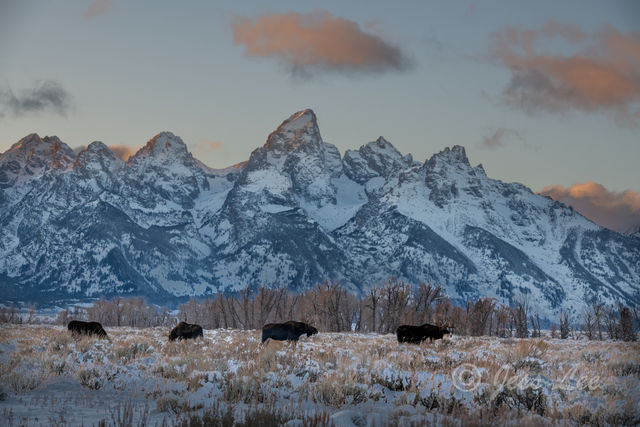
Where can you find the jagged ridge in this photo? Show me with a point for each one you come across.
(163, 225)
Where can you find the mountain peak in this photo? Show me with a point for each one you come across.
(97, 156)
(32, 142)
(381, 143)
(32, 156)
(165, 141)
(44, 151)
(29, 140)
(452, 156)
(163, 145)
(95, 148)
(376, 158)
(301, 127)
(299, 120)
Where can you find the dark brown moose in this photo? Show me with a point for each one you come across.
(78, 327)
(417, 334)
(287, 331)
(184, 330)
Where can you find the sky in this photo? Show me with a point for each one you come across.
(545, 93)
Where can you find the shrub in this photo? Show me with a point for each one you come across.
(625, 368)
(530, 398)
(90, 378)
(245, 390)
(168, 403)
(55, 365)
(132, 351)
(527, 353)
(59, 343)
(20, 380)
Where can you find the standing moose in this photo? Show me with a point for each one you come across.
(184, 330)
(287, 331)
(417, 334)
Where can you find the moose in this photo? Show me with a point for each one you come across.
(287, 331)
(78, 327)
(184, 330)
(416, 334)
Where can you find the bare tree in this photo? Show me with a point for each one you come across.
(504, 322)
(564, 325)
(636, 317)
(10, 314)
(443, 313)
(589, 322)
(373, 303)
(535, 324)
(598, 310)
(423, 297)
(625, 327)
(480, 314)
(519, 315)
(62, 318)
(395, 299)
(133, 312)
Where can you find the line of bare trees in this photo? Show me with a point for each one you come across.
(331, 308)
(617, 323)
(134, 312)
(383, 308)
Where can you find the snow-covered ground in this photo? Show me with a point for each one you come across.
(48, 378)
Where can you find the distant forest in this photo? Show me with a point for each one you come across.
(331, 308)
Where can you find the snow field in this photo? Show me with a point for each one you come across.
(47, 377)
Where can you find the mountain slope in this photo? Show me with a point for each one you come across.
(297, 213)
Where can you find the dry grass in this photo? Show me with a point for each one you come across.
(330, 372)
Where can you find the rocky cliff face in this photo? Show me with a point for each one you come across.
(297, 213)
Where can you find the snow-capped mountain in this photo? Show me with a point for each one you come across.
(634, 231)
(297, 213)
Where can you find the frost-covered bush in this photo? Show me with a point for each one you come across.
(339, 394)
(243, 390)
(369, 374)
(625, 368)
(59, 342)
(529, 398)
(527, 354)
(56, 365)
(131, 351)
(168, 403)
(90, 378)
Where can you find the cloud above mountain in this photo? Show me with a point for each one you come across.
(598, 72)
(122, 151)
(46, 96)
(98, 8)
(307, 44)
(209, 145)
(618, 211)
(499, 137)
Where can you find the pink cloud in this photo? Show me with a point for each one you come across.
(602, 74)
(619, 211)
(98, 8)
(209, 145)
(319, 41)
(122, 151)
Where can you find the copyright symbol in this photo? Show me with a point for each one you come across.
(466, 377)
